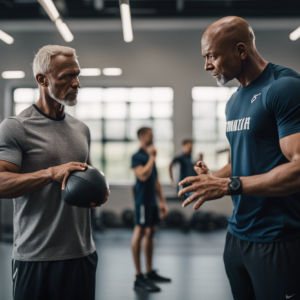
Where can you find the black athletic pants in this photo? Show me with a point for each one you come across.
(263, 271)
(72, 279)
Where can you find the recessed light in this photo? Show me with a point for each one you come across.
(112, 71)
(295, 34)
(13, 74)
(90, 72)
(6, 38)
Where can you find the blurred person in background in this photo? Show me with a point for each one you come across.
(147, 210)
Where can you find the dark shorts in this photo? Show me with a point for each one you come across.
(72, 279)
(263, 271)
(146, 215)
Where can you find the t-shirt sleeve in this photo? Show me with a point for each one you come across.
(283, 101)
(12, 140)
(136, 161)
(176, 159)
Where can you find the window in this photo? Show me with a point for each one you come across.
(209, 123)
(114, 115)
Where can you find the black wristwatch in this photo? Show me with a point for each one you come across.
(235, 186)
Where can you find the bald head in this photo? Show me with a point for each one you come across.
(228, 46)
(230, 31)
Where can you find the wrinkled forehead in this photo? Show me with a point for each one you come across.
(60, 63)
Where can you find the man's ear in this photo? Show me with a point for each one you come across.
(242, 50)
(42, 80)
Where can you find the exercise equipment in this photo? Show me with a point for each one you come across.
(107, 219)
(128, 218)
(175, 219)
(85, 188)
(205, 221)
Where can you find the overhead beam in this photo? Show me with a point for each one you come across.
(84, 25)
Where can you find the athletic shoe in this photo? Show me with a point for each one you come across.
(141, 283)
(153, 276)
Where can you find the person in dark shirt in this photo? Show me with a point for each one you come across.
(185, 162)
(146, 210)
(262, 248)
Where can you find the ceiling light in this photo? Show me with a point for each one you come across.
(112, 72)
(295, 35)
(64, 30)
(126, 20)
(50, 9)
(13, 74)
(6, 38)
(90, 72)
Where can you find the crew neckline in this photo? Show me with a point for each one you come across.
(48, 117)
(252, 83)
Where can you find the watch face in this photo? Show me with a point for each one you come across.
(235, 184)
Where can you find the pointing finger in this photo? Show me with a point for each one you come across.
(198, 170)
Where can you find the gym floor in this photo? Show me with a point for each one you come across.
(193, 261)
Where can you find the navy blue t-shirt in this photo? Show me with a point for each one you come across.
(186, 165)
(258, 116)
(145, 191)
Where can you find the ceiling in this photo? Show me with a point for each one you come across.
(109, 9)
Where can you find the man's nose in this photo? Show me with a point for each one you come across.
(75, 82)
(208, 66)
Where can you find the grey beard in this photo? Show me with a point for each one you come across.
(223, 80)
(61, 101)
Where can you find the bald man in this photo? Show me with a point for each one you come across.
(262, 248)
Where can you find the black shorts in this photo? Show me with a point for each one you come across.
(263, 271)
(146, 215)
(72, 279)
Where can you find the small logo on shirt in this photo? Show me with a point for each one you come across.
(254, 97)
(288, 297)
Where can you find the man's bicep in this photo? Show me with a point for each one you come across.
(290, 146)
(283, 102)
(8, 167)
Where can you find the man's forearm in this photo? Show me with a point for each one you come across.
(159, 192)
(281, 181)
(224, 172)
(14, 185)
(147, 169)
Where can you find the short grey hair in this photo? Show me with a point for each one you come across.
(42, 60)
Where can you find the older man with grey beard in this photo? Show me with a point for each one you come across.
(54, 255)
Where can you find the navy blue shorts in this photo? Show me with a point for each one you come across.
(263, 271)
(72, 279)
(146, 215)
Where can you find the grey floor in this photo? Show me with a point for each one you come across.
(193, 261)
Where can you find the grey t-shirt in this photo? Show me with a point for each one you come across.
(45, 228)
